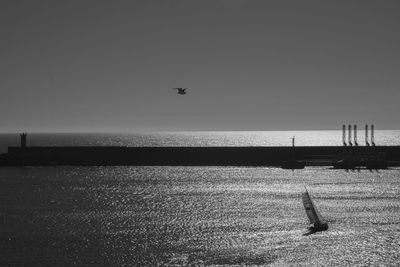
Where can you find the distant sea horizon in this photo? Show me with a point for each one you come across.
(199, 138)
(144, 131)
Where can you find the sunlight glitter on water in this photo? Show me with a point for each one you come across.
(197, 215)
(237, 138)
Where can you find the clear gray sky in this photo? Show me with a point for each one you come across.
(99, 65)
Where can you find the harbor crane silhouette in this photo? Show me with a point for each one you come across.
(181, 91)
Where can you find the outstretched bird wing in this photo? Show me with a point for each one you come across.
(181, 91)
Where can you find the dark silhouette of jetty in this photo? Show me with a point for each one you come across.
(293, 163)
(285, 156)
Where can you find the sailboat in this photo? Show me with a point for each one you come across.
(317, 223)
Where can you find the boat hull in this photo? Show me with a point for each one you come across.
(319, 227)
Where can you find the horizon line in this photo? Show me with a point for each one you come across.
(176, 131)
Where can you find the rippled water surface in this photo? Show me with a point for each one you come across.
(234, 138)
(179, 216)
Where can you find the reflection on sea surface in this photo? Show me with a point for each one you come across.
(234, 138)
(179, 216)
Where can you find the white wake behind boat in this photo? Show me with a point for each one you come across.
(317, 223)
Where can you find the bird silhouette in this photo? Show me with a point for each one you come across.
(181, 91)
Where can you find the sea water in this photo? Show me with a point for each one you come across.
(234, 138)
(198, 216)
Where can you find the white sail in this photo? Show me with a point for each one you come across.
(312, 213)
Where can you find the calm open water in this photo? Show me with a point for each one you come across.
(180, 216)
(238, 138)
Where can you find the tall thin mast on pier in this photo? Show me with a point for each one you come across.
(350, 144)
(355, 135)
(372, 135)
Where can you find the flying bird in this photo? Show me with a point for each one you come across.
(181, 91)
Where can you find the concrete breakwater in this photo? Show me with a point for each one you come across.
(193, 156)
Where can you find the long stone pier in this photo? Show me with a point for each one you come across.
(192, 156)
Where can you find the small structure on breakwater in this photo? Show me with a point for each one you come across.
(293, 163)
(371, 158)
